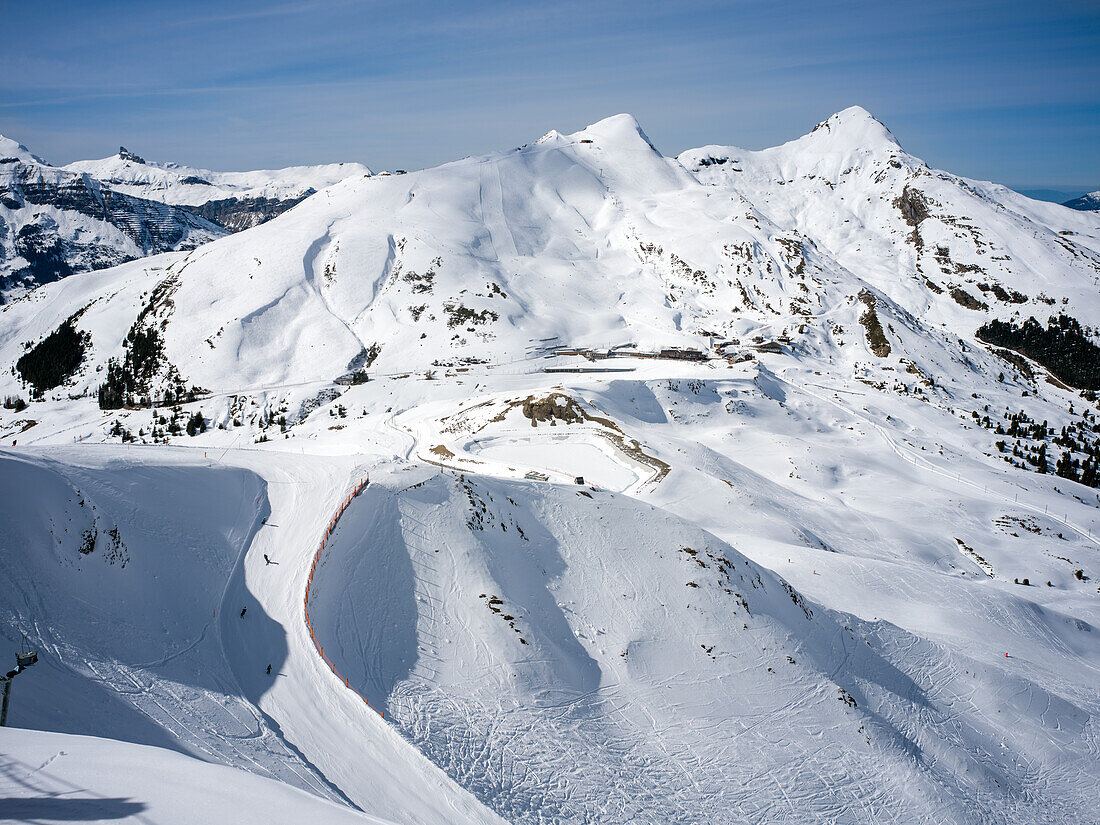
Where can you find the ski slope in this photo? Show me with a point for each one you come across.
(149, 645)
(51, 777)
(626, 706)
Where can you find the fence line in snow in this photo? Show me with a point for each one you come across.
(309, 586)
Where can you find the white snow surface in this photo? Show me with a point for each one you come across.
(53, 777)
(14, 149)
(784, 592)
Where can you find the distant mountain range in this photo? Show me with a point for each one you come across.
(473, 259)
(1089, 202)
(56, 221)
(92, 214)
(233, 200)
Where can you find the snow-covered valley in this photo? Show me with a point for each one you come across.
(695, 495)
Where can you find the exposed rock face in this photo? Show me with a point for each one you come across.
(151, 225)
(913, 206)
(965, 299)
(125, 154)
(876, 337)
(236, 214)
(55, 223)
(47, 257)
(551, 407)
(233, 200)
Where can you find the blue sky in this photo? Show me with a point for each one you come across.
(1008, 91)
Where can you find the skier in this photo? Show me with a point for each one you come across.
(243, 611)
(269, 561)
(269, 670)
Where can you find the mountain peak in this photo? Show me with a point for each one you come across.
(126, 154)
(856, 127)
(622, 130)
(14, 149)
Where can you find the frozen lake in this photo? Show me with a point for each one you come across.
(569, 455)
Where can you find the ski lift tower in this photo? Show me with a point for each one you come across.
(23, 660)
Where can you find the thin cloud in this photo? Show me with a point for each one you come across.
(411, 84)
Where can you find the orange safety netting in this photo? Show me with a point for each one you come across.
(309, 587)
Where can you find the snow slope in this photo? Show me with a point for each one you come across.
(142, 633)
(688, 684)
(914, 233)
(51, 777)
(790, 589)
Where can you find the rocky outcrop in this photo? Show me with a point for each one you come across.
(236, 214)
(551, 408)
(126, 154)
(876, 337)
(965, 299)
(912, 205)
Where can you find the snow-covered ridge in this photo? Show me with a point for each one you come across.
(188, 186)
(1089, 202)
(908, 229)
(13, 150)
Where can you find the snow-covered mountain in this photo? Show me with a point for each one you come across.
(1088, 202)
(54, 222)
(925, 238)
(234, 200)
(472, 261)
(702, 489)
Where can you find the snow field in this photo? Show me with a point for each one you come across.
(625, 695)
(309, 585)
